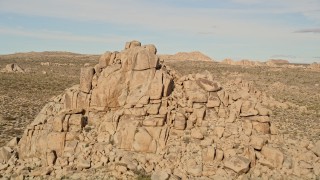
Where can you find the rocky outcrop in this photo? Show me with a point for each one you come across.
(196, 56)
(12, 68)
(132, 114)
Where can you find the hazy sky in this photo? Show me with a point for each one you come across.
(239, 29)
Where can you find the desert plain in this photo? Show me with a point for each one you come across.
(294, 87)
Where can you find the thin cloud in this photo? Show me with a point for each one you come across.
(160, 16)
(57, 35)
(312, 30)
(283, 56)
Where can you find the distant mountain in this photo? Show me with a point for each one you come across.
(45, 53)
(196, 56)
(278, 61)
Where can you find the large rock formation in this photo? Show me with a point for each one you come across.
(132, 114)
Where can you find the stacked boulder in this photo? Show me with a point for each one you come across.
(131, 114)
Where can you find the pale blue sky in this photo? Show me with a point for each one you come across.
(238, 29)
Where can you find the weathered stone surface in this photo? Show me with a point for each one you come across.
(257, 142)
(105, 59)
(208, 85)
(180, 121)
(196, 133)
(51, 158)
(157, 120)
(132, 44)
(213, 100)
(262, 119)
(208, 154)
(238, 164)
(5, 154)
(159, 175)
(124, 136)
(273, 155)
(219, 131)
(142, 141)
(56, 142)
(86, 76)
(156, 87)
(57, 124)
(261, 128)
(195, 93)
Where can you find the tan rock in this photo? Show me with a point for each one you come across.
(104, 137)
(57, 124)
(196, 133)
(157, 120)
(213, 100)
(142, 141)
(208, 85)
(262, 119)
(195, 93)
(257, 142)
(125, 133)
(261, 128)
(154, 108)
(160, 175)
(86, 76)
(51, 158)
(132, 44)
(56, 142)
(156, 87)
(5, 154)
(76, 122)
(105, 59)
(208, 154)
(247, 127)
(193, 168)
(262, 111)
(85, 164)
(219, 131)
(13, 142)
(151, 48)
(180, 121)
(219, 155)
(168, 85)
(251, 155)
(273, 155)
(238, 164)
(316, 169)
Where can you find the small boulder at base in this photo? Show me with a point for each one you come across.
(273, 155)
(159, 175)
(238, 164)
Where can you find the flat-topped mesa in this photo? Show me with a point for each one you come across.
(131, 110)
